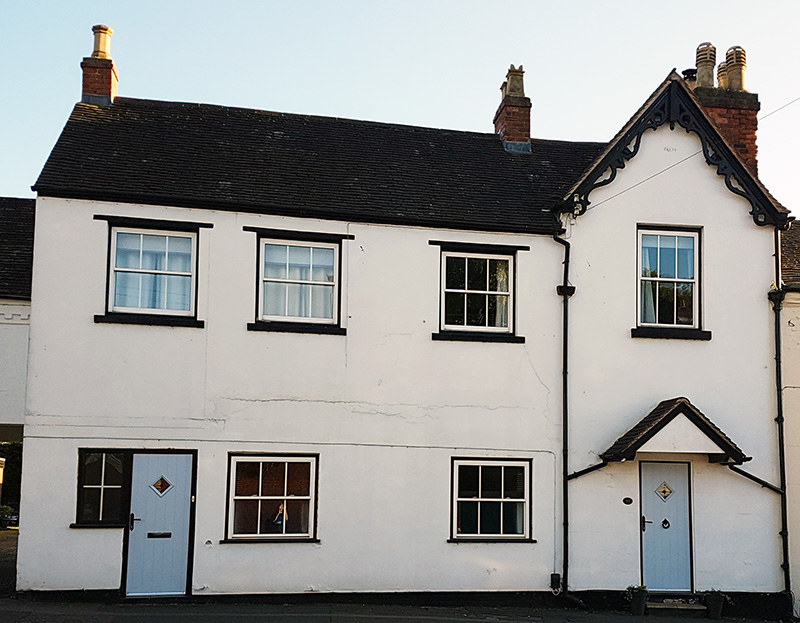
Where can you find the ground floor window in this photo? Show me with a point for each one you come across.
(272, 497)
(103, 487)
(491, 499)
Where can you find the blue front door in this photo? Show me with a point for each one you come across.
(159, 525)
(665, 526)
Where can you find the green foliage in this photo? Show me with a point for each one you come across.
(633, 589)
(6, 511)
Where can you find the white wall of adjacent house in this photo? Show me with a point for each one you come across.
(14, 319)
(616, 380)
(385, 407)
(790, 334)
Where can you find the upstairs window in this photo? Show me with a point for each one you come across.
(152, 272)
(669, 287)
(477, 292)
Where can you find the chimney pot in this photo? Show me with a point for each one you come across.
(102, 41)
(722, 75)
(735, 62)
(706, 58)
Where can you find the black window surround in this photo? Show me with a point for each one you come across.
(677, 332)
(510, 337)
(117, 519)
(145, 318)
(298, 326)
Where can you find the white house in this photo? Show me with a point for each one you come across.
(286, 354)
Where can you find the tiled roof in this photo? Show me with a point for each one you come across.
(790, 257)
(16, 247)
(625, 447)
(199, 155)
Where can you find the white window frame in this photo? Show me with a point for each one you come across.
(335, 285)
(695, 281)
(235, 460)
(509, 328)
(526, 464)
(113, 270)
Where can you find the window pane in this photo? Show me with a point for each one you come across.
(126, 289)
(275, 261)
(476, 274)
(112, 504)
(272, 479)
(476, 310)
(272, 516)
(491, 481)
(321, 301)
(154, 291)
(113, 471)
(300, 263)
(154, 252)
(179, 292)
(498, 275)
(514, 482)
(128, 250)
(513, 517)
(274, 299)
(299, 300)
(649, 301)
(298, 479)
(92, 468)
(666, 266)
(685, 307)
(179, 259)
(245, 517)
(666, 303)
(649, 255)
(467, 518)
(498, 310)
(490, 518)
(456, 273)
(323, 265)
(454, 308)
(685, 257)
(297, 516)
(246, 478)
(468, 481)
(90, 507)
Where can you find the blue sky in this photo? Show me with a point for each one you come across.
(436, 63)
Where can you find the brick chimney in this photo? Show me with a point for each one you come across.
(733, 110)
(99, 74)
(512, 121)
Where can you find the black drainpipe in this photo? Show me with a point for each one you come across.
(776, 298)
(565, 291)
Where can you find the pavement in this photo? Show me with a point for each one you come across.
(46, 608)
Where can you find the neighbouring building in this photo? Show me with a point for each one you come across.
(283, 353)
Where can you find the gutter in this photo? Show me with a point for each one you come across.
(565, 291)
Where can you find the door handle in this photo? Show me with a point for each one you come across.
(131, 520)
(644, 522)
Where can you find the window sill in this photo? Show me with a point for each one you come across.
(157, 320)
(477, 336)
(94, 526)
(669, 333)
(269, 540)
(296, 327)
(489, 540)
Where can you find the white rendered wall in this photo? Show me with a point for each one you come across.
(14, 319)
(385, 407)
(616, 379)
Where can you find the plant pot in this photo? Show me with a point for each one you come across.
(714, 603)
(4, 522)
(638, 603)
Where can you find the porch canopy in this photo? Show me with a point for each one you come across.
(676, 425)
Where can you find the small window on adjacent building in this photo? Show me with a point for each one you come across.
(299, 281)
(272, 497)
(668, 279)
(477, 292)
(152, 272)
(103, 481)
(491, 499)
